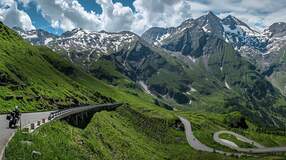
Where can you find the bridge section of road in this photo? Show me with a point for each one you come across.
(33, 120)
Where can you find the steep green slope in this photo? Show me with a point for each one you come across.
(121, 134)
(275, 70)
(36, 76)
(128, 134)
(27, 79)
(164, 74)
(221, 81)
(252, 94)
(136, 97)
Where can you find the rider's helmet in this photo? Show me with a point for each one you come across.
(16, 109)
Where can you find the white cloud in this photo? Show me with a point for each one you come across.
(24, 2)
(13, 17)
(278, 16)
(115, 17)
(162, 13)
(69, 14)
(256, 13)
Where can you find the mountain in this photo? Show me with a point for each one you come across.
(202, 38)
(241, 35)
(197, 70)
(36, 37)
(264, 49)
(154, 34)
(277, 30)
(37, 79)
(85, 47)
(230, 29)
(29, 79)
(191, 66)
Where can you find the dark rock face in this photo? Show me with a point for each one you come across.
(154, 33)
(229, 29)
(190, 37)
(181, 98)
(5, 79)
(241, 123)
(236, 120)
(278, 29)
(233, 22)
(210, 23)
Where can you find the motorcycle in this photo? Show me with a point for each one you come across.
(13, 119)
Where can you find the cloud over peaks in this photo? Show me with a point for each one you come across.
(69, 14)
(13, 17)
(138, 15)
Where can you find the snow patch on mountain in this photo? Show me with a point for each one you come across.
(192, 59)
(83, 41)
(48, 40)
(205, 28)
(226, 85)
(230, 29)
(144, 87)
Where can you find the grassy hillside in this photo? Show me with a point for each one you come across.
(27, 79)
(250, 93)
(128, 134)
(220, 82)
(38, 79)
(121, 134)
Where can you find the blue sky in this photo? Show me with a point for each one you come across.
(40, 22)
(58, 16)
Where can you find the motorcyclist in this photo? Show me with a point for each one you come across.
(14, 117)
(17, 112)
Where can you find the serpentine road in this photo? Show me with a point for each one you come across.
(27, 118)
(259, 148)
(197, 145)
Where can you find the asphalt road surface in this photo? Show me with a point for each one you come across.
(259, 148)
(28, 118)
(196, 144)
(6, 132)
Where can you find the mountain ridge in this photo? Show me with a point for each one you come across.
(191, 64)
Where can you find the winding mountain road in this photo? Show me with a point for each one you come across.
(27, 118)
(197, 145)
(192, 140)
(259, 148)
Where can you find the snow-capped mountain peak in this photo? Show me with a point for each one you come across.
(234, 25)
(77, 32)
(80, 44)
(232, 30)
(209, 23)
(38, 37)
(88, 46)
